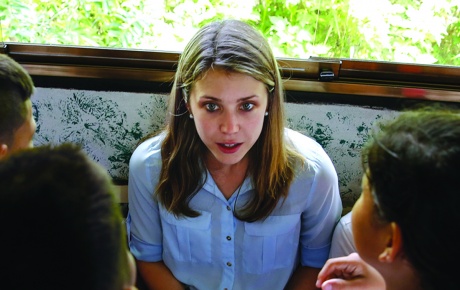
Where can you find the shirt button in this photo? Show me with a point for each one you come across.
(229, 238)
(228, 207)
(229, 264)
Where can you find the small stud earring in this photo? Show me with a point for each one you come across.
(190, 116)
(266, 113)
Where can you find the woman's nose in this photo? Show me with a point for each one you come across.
(229, 123)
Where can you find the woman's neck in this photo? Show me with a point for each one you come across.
(228, 178)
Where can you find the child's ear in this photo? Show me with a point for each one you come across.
(395, 245)
(3, 150)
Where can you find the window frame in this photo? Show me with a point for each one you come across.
(313, 75)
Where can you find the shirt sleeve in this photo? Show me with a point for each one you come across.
(143, 221)
(342, 239)
(323, 205)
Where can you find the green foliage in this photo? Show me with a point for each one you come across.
(419, 31)
(302, 29)
(448, 50)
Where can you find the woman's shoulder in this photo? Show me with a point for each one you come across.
(302, 143)
(149, 149)
(311, 150)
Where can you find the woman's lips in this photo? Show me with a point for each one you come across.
(229, 148)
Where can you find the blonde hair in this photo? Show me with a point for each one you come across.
(233, 46)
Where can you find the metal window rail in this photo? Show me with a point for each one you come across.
(316, 75)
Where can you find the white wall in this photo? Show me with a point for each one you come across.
(109, 124)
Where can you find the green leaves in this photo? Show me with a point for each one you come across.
(408, 31)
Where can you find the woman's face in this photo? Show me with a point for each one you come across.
(371, 237)
(229, 111)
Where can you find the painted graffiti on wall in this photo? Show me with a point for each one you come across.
(108, 125)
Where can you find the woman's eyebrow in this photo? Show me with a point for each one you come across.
(211, 98)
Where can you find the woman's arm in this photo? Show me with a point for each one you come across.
(157, 276)
(303, 278)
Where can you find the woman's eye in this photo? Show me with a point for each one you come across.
(247, 106)
(211, 107)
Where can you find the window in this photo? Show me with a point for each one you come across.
(392, 48)
(411, 31)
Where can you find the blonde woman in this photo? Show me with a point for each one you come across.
(226, 197)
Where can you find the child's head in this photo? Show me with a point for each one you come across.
(63, 228)
(408, 208)
(17, 125)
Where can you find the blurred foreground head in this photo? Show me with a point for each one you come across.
(62, 226)
(408, 211)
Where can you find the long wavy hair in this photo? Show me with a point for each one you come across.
(236, 47)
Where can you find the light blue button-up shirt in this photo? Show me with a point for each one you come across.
(218, 251)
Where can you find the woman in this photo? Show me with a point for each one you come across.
(225, 197)
(406, 218)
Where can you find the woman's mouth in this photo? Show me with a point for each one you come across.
(229, 148)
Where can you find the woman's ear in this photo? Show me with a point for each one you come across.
(394, 246)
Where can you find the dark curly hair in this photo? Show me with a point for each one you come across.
(413, 168)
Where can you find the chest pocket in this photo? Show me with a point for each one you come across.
(271, 244)
(185, 238)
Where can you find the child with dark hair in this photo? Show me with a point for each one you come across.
(62, 226)
(17, 124)
(405, 222)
